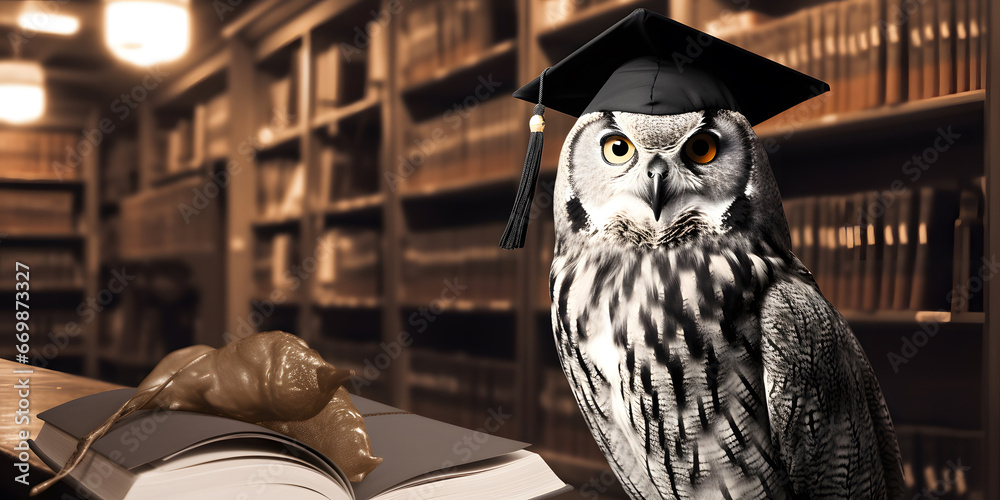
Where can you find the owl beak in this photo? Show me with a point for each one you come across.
(659, 195)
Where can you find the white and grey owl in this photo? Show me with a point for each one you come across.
(705, 359)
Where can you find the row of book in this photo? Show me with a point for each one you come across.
(191, 141)
(442, 34)
(469, 391)
(180, 218)
(32, 155)
(889, 250)
(942, 463)
(280, 109)
(281, 184)
(273, 258)
(552, 13)
(48, 268)
(340, 77)
(119, 174)
(345, 70)
(487, 142)
(37, 212)
(561, 426)
(348, 171)
(368, 360)
(871, 52)
(469, 255)
(349, 264)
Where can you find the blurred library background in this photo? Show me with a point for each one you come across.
(343, 169)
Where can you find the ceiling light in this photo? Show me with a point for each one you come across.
(146, 32)
(44, 22)
(22, 91)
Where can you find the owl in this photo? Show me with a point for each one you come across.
(704, 357)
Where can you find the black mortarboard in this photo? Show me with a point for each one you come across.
(647, 63)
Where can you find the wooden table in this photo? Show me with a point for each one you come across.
(46, 389)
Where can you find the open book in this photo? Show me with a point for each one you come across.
(178, 454)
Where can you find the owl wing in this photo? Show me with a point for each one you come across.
(829, 422)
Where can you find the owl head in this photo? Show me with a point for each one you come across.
(663, 152)
(666, 180)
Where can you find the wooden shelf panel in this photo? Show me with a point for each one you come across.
(7, 182)
(464, 305)
(290, 222)
(330, 119)
(908, 115)
(285, 139)
(560, 40)
(906, 317)
(352, 205)
(205, 79)
(330, 301)
(494, 56)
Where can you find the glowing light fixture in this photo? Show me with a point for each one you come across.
(22, 91)
(46, 22)
(146, 32)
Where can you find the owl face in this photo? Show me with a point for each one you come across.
(653, 180)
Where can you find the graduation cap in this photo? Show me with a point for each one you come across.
(647, 63)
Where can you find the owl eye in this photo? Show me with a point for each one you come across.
(618, 149)
(701, 148)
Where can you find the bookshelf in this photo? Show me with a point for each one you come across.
(49, 211)
(162, 210)
(357, 158)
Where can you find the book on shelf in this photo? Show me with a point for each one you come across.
(348, 169)
(902, 250)
(378, 53)
(452, 147)
(119, 177)
(217, 127)
(32, 155)
(50, 268)
(441, 34)
(164, 221)
(871, 52)
(942, 461)
(969, 245)
(37, 212)
(280, 188)
(563, 429)
(459, 388)
(194, 455)
(470, 253)
(552, 13)
(348, 264)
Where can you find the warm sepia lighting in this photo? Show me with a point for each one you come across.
(22, 91)
(44, 22)
(147, 32)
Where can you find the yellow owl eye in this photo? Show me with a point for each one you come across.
(618, 150)
(701, 148)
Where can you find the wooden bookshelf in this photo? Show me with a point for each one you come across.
(54, 303)
(374, 126)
